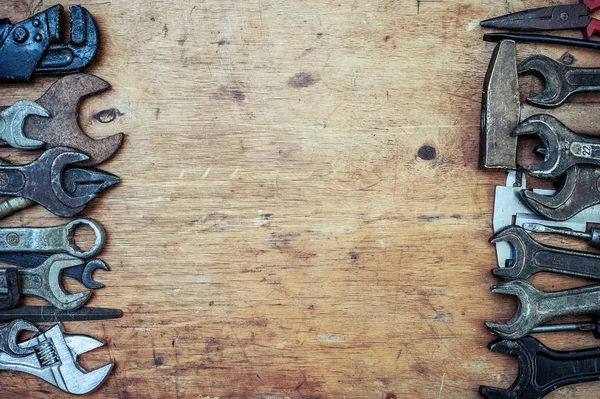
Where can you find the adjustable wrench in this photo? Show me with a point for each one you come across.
(560, 80)
(541, 369)
(51, 356)
(537, 307)
(531, 257)
(56, 239)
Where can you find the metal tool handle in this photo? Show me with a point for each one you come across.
(574, 263)
(578, 301)
(55, 239)
(584, 79)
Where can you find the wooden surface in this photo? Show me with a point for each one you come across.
(276, 234)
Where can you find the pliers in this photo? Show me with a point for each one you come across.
(562, 17)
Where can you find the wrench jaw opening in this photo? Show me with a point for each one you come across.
(524, 319)
(544, 127)
(9, 335)
(12, 124)
(87, 276)
(526, 367)
(54, 291)
(515, 267)
(549, 71)
(55, 361)
(63, 100)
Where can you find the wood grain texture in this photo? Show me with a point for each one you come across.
(276, 234)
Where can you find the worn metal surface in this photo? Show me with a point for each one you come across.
(44, 281)
(531, 257)
(543, 370)
(55, 239)
(34, 45)
(49, 314)
(83, 273)
(62, 129)
(592, 237)
(563, 147)
(12, 122)
(558, 17)
(42, 181)
(537, 307)
(560, 80)
(51, 356)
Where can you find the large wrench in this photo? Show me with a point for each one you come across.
(560, 80)
(531, 257)
(56, 239)
(537, 307)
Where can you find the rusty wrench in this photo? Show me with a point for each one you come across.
(62, 128)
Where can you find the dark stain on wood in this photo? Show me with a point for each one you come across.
(427, 153)
(303, 79)
(107, 115)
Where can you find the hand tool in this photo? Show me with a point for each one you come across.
(531, 38)
(541, 369)
(537, 307)
(51, 356)
(49, 314)
(34, 45)
(592, 325)
(45, 282)
(531, 257)
(82, 273)
(12, 122)
(42, 181)
(55, 239)
(560, 80)
(62, 128)
(593, 236)
(560, 17)
(563, 147)
(579, 190)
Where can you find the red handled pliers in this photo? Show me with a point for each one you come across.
(569, 16)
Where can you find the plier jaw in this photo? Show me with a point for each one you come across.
(560, 17)
(34, 45)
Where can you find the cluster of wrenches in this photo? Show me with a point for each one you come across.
(573, 160)
(64, 181)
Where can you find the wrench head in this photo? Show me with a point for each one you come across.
(521, 242)
(10, 334)
(550, 131)
(552, 73)
(62, 100)
(526, 369)
(12, 122)
(58, 353)
(87, 277)
(524, 319)
(80, 182)
(54, 292)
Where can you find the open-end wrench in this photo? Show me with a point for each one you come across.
(42, 181)
(563, 147)
(536, 307)
(51, 356)
(541, 369)
(530, 257)
(56, 239)
(12, 123)
(62, 128)
(45, 282)
(83, 273)
(34, 45)
(560, 80)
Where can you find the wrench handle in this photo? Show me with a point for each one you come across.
(573, 263)
(584, 79)
(578, 301)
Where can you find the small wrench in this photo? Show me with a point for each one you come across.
(536, 307)
(56, 239)
(12, 124)
(531, 257)
(563, 147)
(560, 80)
(45, 282)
